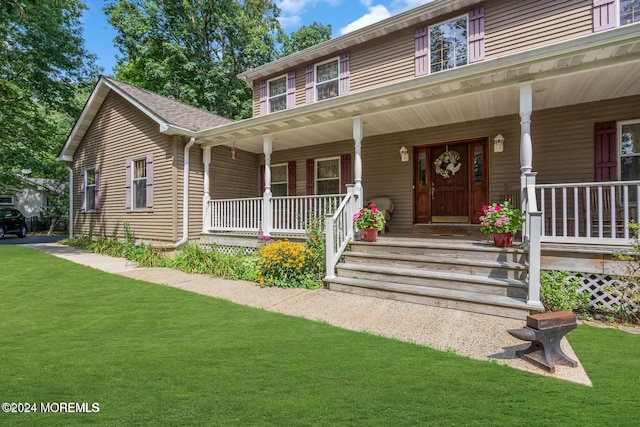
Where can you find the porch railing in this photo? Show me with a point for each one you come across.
(339, 230)
(240, 215)
(590, 212)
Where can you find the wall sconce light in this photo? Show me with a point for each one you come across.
(498, 144)
(404, 154)
(234, 152)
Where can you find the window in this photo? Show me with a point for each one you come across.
(279, 183)
(327, 76)
(139, 184)
(448, 45)
(629, 142)
(629, 12)
(6, 199)
(277, 94)
(328, 176)
(90, 190)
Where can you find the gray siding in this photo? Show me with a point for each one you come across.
(231, 179)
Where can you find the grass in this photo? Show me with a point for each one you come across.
(155, 355)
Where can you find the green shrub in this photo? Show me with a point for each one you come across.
(560, 292)
(316, 242)
(627, 288)
(287, 265)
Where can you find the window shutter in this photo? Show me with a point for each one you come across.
(345, 171)
(311, 179)
(291, 178)
(476, 35)
(97, 189)
(263, 97)
(308, 86)
(150, 182)
(83, 183)
(291, 89)
(604, 14)
(421, 51)
(344, 74)
(261, 179)
(128, 195)
(606, 153)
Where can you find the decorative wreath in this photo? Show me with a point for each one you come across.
(447, 164)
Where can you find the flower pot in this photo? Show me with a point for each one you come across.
(369, 234)
(503, 240)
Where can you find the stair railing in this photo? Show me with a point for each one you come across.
(532, 232)
(339, 230)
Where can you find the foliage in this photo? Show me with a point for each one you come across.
(316, 242)
(501, 218)
(627, 289)
(43, 64)
(559, 292)
(306, 36)
(369, 217)
(287, 265)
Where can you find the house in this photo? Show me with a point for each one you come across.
(442, 109)
(31, 196)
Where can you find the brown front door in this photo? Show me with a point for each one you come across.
(450, 182)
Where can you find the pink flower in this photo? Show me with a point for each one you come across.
(498, 208)
(372, 205)
(375, 210)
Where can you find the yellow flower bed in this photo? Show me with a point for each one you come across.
(285, 264)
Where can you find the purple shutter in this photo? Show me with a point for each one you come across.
(311, 181)
(604, 14)
(291, 89)
(606, 157)
(97, 189)
(291, 178)
(150, 182)
(128, 199)
(263, 97)
(476, 35)
(261, 179)
(345, 73)
(83, 183)
(345, 171)
(309, 84)
(421, 52)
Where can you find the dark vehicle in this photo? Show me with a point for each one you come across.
(12, 222)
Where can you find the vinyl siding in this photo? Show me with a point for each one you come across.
(231, 179)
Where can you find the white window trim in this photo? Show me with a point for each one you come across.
(317, 169)
(619, 144)
(133, 181)
(283, 94)
(618, 11)
(13, 200)
(466, 16)
(315, 78)
(86, 188)
(286, 175)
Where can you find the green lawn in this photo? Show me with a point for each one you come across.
(155, 355)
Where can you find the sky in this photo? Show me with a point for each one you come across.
(344, 16)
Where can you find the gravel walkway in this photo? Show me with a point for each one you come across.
(474, 335)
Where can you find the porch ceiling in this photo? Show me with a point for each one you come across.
(597, 67)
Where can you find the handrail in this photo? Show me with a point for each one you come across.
(339, 231)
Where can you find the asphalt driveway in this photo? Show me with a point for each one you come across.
(13, 240)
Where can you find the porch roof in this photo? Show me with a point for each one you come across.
(562, 74)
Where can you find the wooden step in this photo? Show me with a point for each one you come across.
(439, 297)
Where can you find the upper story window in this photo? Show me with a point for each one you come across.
(277, 94)
(629, 142)
(6, 199)
(328, 176)
(629, 11)
(279, 182)
(90, 190)
(327, 75)
(448, 44)
(139, 184)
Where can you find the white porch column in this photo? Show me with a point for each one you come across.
(526, 149)
(206, 211)
(357, 161)
(267, 148)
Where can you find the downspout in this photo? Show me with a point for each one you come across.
(70, 200)
(185, 195)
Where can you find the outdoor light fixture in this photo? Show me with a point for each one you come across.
(498, 143)
(404, 154)
(234, 152)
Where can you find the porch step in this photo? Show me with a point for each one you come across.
(463, 275)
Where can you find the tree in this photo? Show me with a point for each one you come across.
(306, 36)
(192, 51)
(42, 64)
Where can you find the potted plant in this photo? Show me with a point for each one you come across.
(370, 220)
(502, 221)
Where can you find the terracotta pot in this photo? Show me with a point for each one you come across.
(503, 240)
(369, 234)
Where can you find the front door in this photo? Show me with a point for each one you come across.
(450, 182)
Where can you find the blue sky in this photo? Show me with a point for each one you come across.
(343, 15)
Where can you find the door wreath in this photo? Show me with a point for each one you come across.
(448, 163)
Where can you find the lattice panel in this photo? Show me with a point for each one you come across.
(598, 285)
(230, 249)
